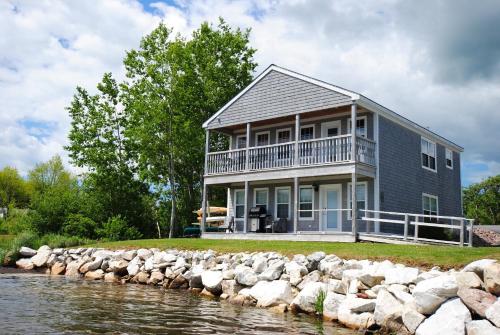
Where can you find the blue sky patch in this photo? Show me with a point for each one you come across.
(37, 128)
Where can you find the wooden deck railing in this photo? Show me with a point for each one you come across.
(330, 150)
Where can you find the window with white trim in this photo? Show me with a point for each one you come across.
(239, 204)
(428, 154)
(360, 126)
(429, 204)
(307, 133)
(306, 200)
(262, 138)
(283, 135)
(261, 196)
(241, 141)
(361, 199)
(449, 158)
(282, 202)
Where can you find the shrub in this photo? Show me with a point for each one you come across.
(19, 221)
(116, 229)
(80, 225)
(62, 241)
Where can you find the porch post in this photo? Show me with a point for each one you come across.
(247, 146)
(353, 175)
(204, 208)
(207, 149)
(245, 220)
(297, 138)
(295, 203)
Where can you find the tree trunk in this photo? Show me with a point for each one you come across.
(174, 205)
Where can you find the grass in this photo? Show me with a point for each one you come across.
(423, 256)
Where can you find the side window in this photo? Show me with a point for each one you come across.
(429, 204)
(449, 158)
(428, 154)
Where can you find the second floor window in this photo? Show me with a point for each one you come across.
(428, 154)
(360, 126)
(449, 159)
(262, 139)
(283, 136)
(241, 142)
(306, 133)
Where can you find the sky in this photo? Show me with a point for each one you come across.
(434, 62)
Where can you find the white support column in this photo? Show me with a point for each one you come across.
(247, 146)
(295, 203)
(297, 138)
(204, 208)
(207, 148)
(353, 175)
(376, 186)
(245, 220)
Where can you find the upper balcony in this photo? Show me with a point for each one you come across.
(320, 151)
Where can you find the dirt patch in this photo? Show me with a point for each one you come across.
(484, 237)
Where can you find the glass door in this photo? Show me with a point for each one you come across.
(330, 203)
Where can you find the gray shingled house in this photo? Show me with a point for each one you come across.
(291, 153)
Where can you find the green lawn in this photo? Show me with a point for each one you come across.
(424, 256)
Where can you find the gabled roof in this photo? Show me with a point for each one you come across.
(353, 96)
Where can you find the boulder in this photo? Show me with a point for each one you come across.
(467, 280)
(306, 299)
(491, 277)
(212, 280)
(246, 277)
(179, 282)
(272, 293)
(27, 252)
(144, 254)
(141, 278)
(388, 311)
(156, 278)
(195, 280)
(478, 266)
(92, 265)
(314, 259)
(259, 264)
(351, 319)
(359, 305)
(118, 266)
(94, 275)
(337, 286)
(273, 271)
(73, 267)
(41, 257)
(481, 327)
(449, 319)
(429, 294)
(401, 275)
(129, 255)
(231, 287)
(25, 264)
(370, 278)
(296, 271)
(411, 318)
(134, 266)
(309, 278)
(111, 277)
(478, 301)
(149, 264)
(493, 313)
(58, 268)
(331, 305)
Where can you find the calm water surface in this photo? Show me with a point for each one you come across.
(39, 304)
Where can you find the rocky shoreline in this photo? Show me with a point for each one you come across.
(358, 294)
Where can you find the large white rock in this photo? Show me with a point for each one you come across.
(449, 319)
(359, 305)
(411, 318)
(491, 277)
(129, 255)
(231, 287)
(212, 280)
(41, 257)
(296, 271)
(134, 266)
(387, 308)
(246, 277)
(73, 267)
(27, 252)
(331, 305)
(259, 264)
(493, 313)
(92, 265)
(118, 266)
(144, 254)
(431, 293)
(337, 286)
(401, 275)
(149, 264)
(24, 263)
(481, 327)
(352, 319)
(306, 299)
(272, 293)
(467, 280)
(478, 266)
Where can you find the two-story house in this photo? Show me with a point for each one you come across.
(293, 152)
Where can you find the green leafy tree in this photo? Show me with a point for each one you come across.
(13, 188)
(49, 175)
(482, 201)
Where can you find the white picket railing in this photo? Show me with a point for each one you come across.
(365, 150)
(226, 161)
(325, 150)
(271, 156)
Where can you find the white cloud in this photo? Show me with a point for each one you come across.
(385, 50)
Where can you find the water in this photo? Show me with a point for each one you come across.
(39, 304)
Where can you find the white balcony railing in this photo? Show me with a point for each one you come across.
(330, 150)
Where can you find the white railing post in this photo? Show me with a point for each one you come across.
(207, 149)
(407, 222)
(297, 138)
(247, 148)
(295, 203)
(462, 227)
(415, 237)
(245, 217)
(471, 232)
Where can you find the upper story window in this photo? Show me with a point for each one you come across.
(262, 138)
(429, 204)
(241, 141)
(284, 135)
(428, 154)
(360, 126)
(449, 158)
(306, 132)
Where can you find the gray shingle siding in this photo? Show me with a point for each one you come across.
(403, 180)
(278, 95)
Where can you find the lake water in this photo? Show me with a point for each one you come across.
(40, 304)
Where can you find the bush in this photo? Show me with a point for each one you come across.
(62, 241)
(19, 221)
(80, 225)
(116, 229)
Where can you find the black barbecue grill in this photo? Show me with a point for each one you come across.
(257, 219)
